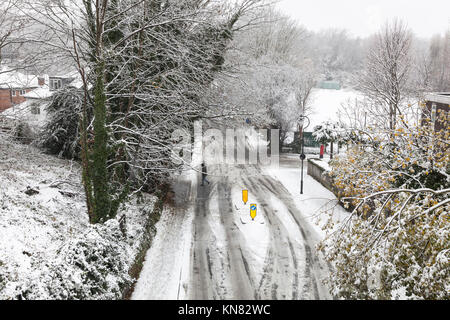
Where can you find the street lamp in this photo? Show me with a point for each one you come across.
(301, 123)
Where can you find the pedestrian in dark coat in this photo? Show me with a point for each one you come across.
(204, 174)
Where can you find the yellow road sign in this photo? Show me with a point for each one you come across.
(253, 211)
(245, 196)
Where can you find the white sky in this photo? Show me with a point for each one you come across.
(364, 17)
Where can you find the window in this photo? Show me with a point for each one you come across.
(35, 109)
(55, 84)
(13, 93)
(22, 92)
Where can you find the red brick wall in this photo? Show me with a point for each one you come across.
(7, 101)
(18, 98)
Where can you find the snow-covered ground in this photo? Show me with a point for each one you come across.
(48, 249)
(206, 246)
(326, 104)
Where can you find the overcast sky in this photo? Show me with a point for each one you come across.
(364, 17)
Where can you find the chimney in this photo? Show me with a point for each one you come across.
(41, 81)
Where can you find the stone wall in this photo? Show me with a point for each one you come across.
(319, 173)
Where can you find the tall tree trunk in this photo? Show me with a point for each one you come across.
(102, 199)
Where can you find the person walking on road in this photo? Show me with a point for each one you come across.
(204, 174)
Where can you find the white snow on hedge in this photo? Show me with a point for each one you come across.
(48, 249)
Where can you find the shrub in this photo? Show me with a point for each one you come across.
(60, 135)
(91, 266)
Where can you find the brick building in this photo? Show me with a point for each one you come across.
(14, 86)
(437, 103)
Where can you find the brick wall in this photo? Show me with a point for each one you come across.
(18, 98)
(7, 101)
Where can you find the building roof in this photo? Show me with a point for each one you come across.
(11, 79)
(39, 93)
(17, 80)
(65, 75)
(442, 97)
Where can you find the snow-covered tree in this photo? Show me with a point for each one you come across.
(146, 66)
(431, 64)
(396, 240)
(329, 133)
(395, 179)
(439, 62)
(10, 24)
(17, 52)
(272, 77)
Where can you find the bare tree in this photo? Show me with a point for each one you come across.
(306, 80)
(16, 29)
(385, 77)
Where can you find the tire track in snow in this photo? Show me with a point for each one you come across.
(314, 267)
(279, 273)
(239, 271)
(201, 264)
(291, 268)
(311, 261)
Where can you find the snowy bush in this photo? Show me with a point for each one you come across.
(328, 132)
(397, 238)
(90, 266)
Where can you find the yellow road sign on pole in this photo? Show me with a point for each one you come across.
(245, 196)
(253, 211)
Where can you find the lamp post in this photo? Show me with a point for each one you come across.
(302, 126)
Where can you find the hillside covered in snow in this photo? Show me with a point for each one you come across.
(48, 249)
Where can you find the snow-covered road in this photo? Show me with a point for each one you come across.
(234, 257)
(211, 249)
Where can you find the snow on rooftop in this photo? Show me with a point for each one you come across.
(15, 79)
(65, 75)
(39, 93)
(443, 97)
